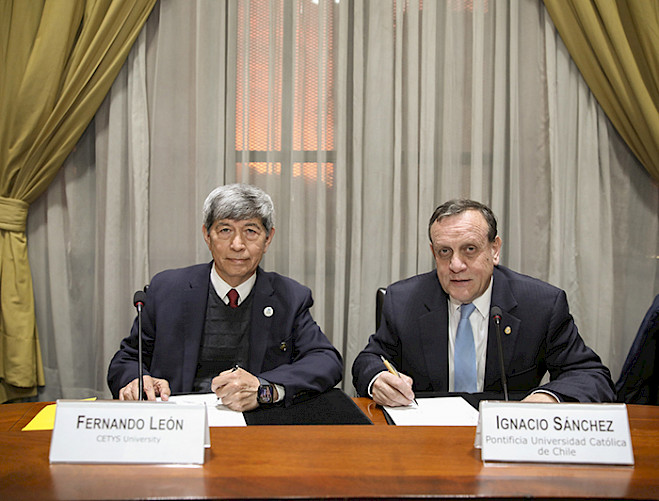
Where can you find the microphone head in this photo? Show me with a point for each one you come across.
(496, 312)
(139, 298)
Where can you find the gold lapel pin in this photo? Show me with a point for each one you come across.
(507, 330)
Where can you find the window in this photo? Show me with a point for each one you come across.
(285, 88)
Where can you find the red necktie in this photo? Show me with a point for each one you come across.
(233, 298)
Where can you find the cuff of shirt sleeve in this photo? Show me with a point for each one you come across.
(370, 385)
(547, 392)
(281, 393)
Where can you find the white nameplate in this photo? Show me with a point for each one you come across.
(129, 432)
(554, 433)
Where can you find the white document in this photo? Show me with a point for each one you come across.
(218, 414)
(439, 411)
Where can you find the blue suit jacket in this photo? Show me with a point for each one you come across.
(286, 348)
(413, 333)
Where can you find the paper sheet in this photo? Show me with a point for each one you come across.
(218, 414)
(439, 411)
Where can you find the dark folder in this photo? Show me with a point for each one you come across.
(330, 407)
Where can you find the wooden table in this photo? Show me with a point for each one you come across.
(323, 462)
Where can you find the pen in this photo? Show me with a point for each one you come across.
(393, 371)
(234, 369)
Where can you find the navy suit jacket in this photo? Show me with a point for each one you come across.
(413, 334)
(286, 347)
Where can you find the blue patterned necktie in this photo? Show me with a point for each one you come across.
(464, 359)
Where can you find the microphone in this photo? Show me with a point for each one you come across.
(496, 313)
(138, 300)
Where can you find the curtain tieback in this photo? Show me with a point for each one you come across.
(13, 214)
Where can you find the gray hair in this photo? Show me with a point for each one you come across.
(457, 206)
(239, 202)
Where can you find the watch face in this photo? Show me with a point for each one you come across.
(265, 394)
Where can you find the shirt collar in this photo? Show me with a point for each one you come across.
(222, 288)
(482, 302)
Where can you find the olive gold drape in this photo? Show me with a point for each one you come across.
(59, 59)
(615, 45)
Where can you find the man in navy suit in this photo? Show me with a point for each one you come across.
(420, 317)
(229, 327)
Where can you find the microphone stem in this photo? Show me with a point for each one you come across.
(140, 367)
(504, 383)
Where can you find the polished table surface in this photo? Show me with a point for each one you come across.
(343, 461)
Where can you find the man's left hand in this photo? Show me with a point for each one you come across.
(237, 388)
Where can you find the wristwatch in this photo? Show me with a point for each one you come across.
(266, 394)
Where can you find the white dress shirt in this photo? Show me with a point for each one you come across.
(479, 320)
(222, 288)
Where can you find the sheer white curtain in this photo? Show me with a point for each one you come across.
(88, 235)
(358, 117)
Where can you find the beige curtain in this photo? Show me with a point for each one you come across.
(615, 44)
(59, 59)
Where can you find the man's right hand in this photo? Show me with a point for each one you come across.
(153, 387)
(392, 390)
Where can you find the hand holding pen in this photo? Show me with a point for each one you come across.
(392, 388)
(233, 369)
(237, 389)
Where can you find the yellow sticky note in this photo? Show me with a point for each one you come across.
(45, 420)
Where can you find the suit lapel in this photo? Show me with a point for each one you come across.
(261, 323)
(502, 297)
(434, 333)
(194, 298)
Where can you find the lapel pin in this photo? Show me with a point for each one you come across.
(507, 330)
(282, 346)
(268, 311)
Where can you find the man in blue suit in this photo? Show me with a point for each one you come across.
(228, 326)
(422, 332)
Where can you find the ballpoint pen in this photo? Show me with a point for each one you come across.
(393, 371)
(233, 369)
